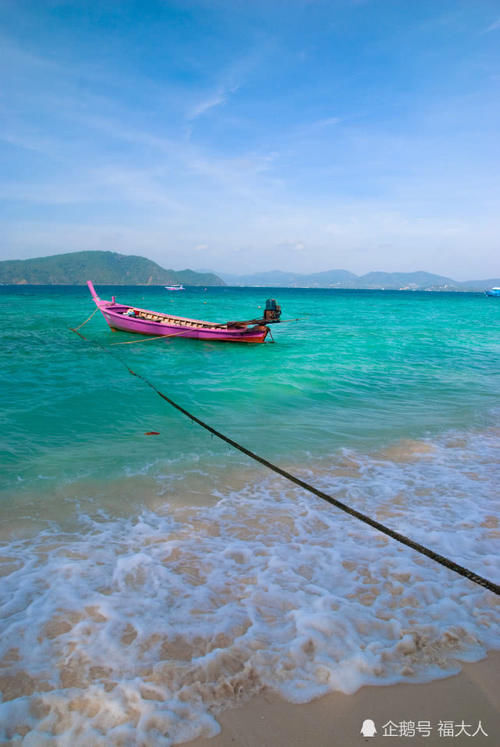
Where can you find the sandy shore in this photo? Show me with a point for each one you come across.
(471, 696)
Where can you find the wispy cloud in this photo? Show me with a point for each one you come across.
(495, 26)
(230, 79)
(210, 102)
(247, 150)
(32, 142)
(327, 122)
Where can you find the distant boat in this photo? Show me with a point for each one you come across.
(144, 322)
(493, 292)
(175, 287)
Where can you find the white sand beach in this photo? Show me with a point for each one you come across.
(470, 697)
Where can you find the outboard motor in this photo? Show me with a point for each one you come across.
(273, 311)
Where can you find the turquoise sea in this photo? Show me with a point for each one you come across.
(149, 581)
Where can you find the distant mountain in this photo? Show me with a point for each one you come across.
(277, 278)
(332, 277)
(111, 268)
(106, 268)
(405, 279)
(190, 277)
(372, 280)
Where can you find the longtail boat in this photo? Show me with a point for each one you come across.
(144, 322)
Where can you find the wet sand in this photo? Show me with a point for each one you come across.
(471, 696)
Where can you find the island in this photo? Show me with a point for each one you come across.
(105, 268)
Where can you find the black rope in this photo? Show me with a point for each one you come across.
(441, 559)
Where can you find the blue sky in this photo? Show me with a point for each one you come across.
(245, 136)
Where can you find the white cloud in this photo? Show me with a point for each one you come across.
(35, 142)
(313, 195)
(495, 26)
(218, 97)
(327, 122)
(203, 106)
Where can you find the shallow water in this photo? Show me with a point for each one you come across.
(148, 581)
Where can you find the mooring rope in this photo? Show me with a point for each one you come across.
(127, 342)
(86, 320)
(422, 549)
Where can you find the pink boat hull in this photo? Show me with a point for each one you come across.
(170, 326)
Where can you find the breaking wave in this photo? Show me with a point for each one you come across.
(140, 629)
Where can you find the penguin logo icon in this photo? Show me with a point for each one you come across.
(368, 729)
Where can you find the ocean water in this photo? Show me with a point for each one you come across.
(147, 582)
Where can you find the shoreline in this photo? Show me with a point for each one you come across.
(471, 696)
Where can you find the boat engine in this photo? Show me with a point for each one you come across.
(272, 312)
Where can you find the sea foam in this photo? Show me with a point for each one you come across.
(140, 629)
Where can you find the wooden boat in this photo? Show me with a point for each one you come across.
(144, 322)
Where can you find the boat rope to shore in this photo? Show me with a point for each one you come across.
(401, 538)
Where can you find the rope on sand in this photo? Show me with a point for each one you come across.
(422, 549)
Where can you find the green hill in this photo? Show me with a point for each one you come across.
(106, 268)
